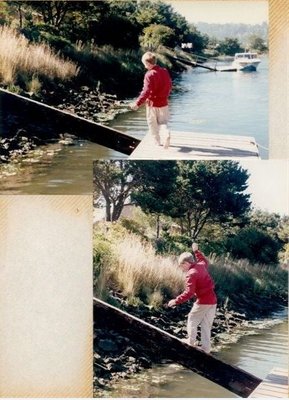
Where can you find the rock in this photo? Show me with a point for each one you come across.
(107, 345)
(130, 351)
(145, 362)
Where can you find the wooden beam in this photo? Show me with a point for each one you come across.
(46, 122)
(170, 347)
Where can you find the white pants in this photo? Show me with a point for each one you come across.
(201, 314)
(157, 116)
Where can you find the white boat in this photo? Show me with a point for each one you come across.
(246, 61)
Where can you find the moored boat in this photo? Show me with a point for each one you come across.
(246, 61)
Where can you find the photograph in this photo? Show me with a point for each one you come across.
(87, 80)
(190, 267)
(144, 208)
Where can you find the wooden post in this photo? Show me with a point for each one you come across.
(170, 347)
(18, 112)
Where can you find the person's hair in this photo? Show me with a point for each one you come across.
(186, 257)
(149, 57)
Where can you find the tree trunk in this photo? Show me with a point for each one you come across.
(107, 210)
(20, 16)
(168, 346)
(189, 221)
(116, 211)
(158, 226)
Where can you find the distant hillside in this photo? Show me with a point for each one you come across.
(239, 31)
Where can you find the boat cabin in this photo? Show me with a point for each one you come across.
(248, 56)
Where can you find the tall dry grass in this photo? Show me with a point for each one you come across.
(17, 55)
(131, 266)
(124, 262)
(239, 277)
(140, 272)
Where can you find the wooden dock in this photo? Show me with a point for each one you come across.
(192, 145)
(275, 385)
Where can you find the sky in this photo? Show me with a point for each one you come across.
(222, 11)
(268, 184)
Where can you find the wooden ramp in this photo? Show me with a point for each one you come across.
(192, 145)
(170, 347)
(227, 69)
(275, 385)
(46, 122)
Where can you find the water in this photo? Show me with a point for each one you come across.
(233, 103)
(68, 171)
(203, 101)
(258, 354)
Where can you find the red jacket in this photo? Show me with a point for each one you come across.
(156, 87)
(198, 283)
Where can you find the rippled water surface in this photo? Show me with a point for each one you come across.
(258, 353)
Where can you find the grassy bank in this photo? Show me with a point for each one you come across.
(126, 264)
(26, 64)
(56, 66)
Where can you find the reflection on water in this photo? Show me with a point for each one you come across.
(257, 354)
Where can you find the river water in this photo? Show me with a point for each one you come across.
(263, 346)
(202, 101)
(233, 103)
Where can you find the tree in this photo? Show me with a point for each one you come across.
(155, 188)
(199, 40)
(210, 191)
(115, 30)
(156, 35)
(254, 245)
(159, 13)
(17, 5)
(257, 43)
(113, 179)
(230, 46)
(266, 222)
(194, 191)
(53, 12)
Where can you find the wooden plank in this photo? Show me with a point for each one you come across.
(46, 122)
(275, 385)
(193, 145)
(193, 63)
(170, 347)
(227, 69)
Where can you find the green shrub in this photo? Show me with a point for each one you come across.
(254, 245)
(156, 35)
(132, 226)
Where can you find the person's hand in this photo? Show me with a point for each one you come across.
(195, 247)
(172, 303)
(133, 106)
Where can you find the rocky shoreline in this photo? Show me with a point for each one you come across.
(116, 357)
(92, 104)
(84, 102)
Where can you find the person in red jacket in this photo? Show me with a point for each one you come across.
(156, 89)
(200, 285)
